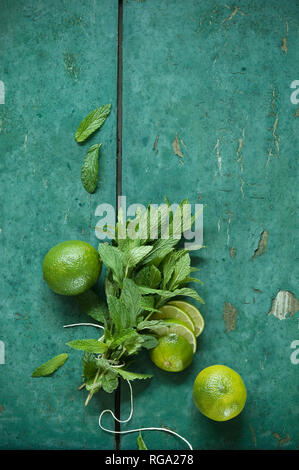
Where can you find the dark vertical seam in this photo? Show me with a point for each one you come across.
(119, 103)
(117, 398)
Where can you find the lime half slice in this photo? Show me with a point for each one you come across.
(173, 312)
(193, 313)
(179, 328)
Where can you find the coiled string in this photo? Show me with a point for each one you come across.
(138, 429)
(132, 407)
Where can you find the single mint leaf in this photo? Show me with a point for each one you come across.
(161, 248)
(90, 169)
(127, 375)
(90, 303)
(110, 381)
(111, 288)
(102, 363)
(112, 258)
(122, 337)
(94, 384)
(119, 314)
(193, 270)
(149, 276)
(149, 341)
(190, 279)
(92, 122)
(131, 298)
(147, 303)
(89, 345)
(135, 255)
(185, 291)
(151, 324)
(181, 270)
(134, 344)
(157, 220)
(89, 365)
(50, 366)
(141, 443)
(168, 268)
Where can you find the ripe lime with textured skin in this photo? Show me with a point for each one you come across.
(219, 393)
(71, 267)
(193, 313)
(173, 325)
(171, 311)
(173, 353)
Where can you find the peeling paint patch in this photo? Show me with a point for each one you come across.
(1, 408)
(284, 303)
(219, 160)
(156, 143)
(284, 45)
(240, 147)
(2, 92)
(284, 42)
(274, 149)
(239, 153)
(263, 244)
(275, 137)
(25, 142)
(273, 101)
(234, 12)
(296, 113)
(176, 147)
(253, 434)
(70, 65)
(230, 315)
(242, 187)
(282, 440)
(66, 215)
(233, 252)
(228, 227)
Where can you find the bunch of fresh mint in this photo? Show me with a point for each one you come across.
(142, 273)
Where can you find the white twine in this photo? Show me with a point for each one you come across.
(87, 324)
(138, 429)
(84, 324)
(132, 404)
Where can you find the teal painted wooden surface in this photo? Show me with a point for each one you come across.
(58, 62)
(216, 75)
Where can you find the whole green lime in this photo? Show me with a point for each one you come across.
(173, 353)
(71, 267)
(219, 393)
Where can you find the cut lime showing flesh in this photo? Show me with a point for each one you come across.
(173, 312)
(193, 313)
(179, 328)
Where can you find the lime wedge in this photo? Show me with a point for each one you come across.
(193, 313)
(179, 328)
(171, 311)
